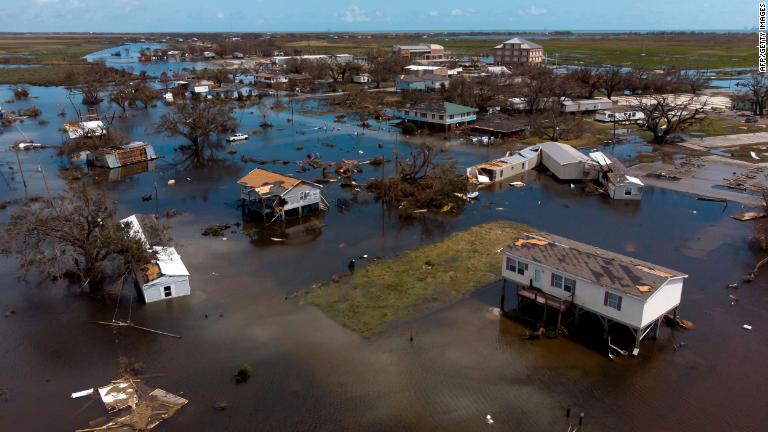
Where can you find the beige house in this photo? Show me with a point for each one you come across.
(519, 50)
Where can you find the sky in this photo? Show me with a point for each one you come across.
(367, 15)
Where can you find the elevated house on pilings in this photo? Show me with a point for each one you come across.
(272, 195)
(563, 275)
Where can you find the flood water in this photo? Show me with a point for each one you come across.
(312, 374)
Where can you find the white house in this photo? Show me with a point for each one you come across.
(585, 105)
(562, 273)
(616, 183)
(166, 276)
(362, 79)
(85, 129)
(270, 193)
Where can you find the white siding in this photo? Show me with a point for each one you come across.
(294, 196)
(618, 191)
(663, 300)
(586, 295)
(154, 290)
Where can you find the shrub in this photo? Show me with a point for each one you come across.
(410, 129)
(243, 373)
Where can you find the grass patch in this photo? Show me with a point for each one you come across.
(416, 281)
(715, 126)
(53, 49)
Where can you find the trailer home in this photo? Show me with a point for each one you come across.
(567, 163)
(563, 274)
(166, 276)
(508, 166)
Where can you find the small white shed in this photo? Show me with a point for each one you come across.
(624, 187)
(166, 276)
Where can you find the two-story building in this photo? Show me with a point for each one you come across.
(560, 274)
(420, 52)
(518, 50)
(440, 115)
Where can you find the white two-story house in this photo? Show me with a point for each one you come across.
(563, 273)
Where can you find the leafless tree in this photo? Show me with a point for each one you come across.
(756, 89)
(121, 94)
(587, 79)
(612, 79)
(196, 121)
(383, 66)
(666, 115)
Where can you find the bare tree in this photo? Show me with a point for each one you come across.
(587, 79)
(666, 115)
(383, 66)
(74, 235)
(612, 79)
(121, 94)
(756, 89)
(196, 121)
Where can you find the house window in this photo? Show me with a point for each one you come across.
(406, 112)
(433, 116)
(569, 285)
(557, 280)
(628, 191)
(303, 196)
(612, 300)
(442, 117)
(423, 115)
(451, 117)
(167, 291)
(516, 266)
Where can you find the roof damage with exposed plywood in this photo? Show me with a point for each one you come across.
(599, 266)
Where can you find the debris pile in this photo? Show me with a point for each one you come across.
(137, 407)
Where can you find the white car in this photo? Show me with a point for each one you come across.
(237, 137)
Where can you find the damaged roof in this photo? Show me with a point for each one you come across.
(268, 183)
(604, 268)
(443, 108)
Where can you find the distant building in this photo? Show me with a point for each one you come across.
(238, 55)
(568, 105)
(430, 69)
(562, 274)
(425, 82)
(362, 79)
(518, 50)
(275, 81)
(441, 115)
(420, 52)
(166, 276)
(619, 115)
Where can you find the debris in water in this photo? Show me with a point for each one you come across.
(79, 394)
(746, 327)
(517, 184)
(754, 155)
(493, 313)
(748, 216)
(171, 182)
(275, 239)
(489, 419)
(146, 197)
(733, 285)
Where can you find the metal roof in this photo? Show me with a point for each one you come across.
(443, 108)
(524, 43)
(563, 153)
(604, 268)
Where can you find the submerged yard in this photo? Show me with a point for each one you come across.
(417, 281)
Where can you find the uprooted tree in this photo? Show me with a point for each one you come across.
(74, 236)
(667, 115)
(420, 183)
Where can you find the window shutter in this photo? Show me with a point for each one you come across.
(605, 300)
(573, 287)
(618, 305)
(552, 279)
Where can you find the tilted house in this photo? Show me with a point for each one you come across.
(166, 276)
(562, 273)
(615, 180)
(272, 194)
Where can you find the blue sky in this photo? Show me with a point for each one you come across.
(394, 15)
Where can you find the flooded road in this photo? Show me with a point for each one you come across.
(312, 374)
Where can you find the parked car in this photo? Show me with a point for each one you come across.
(750, 119)
(237, 137)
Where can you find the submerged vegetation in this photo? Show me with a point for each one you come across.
(426, 278)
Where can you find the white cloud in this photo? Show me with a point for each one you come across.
(434, 13)
(354, 14)
(533, 10)
(220, 15)
(457, 12)
(464, 12)
(46, 1)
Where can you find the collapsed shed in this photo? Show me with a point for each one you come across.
(272, 194)
(615, 180)
(118, 156)
(166, 276)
